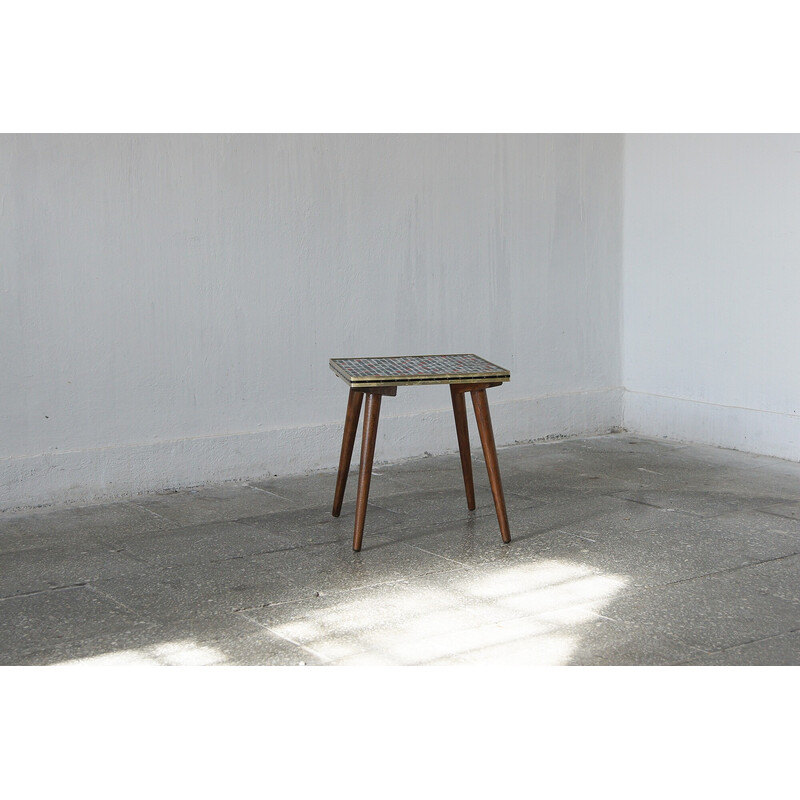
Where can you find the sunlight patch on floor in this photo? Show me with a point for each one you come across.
(184, 653)
(528, 614)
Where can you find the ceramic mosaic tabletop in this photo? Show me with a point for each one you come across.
(412, 370)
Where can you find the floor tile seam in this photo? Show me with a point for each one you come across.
(334, 593)
(557, 608)
(757, 640)
(51, 645)
(479, 569)
(483, 603)
(267, 491)
(685, 511)
(108, 547)
(156, 565)
(739, 644)
(337, 593)
(433, 637)
(296, 507)
(78, 585)
(517, 639)
(541, 616)
(384, 660)
(669, 533)
(252, 521)
(43, 548)
(775, 514)
(459, 490)
(618, 496)
(650, 629)
(183, 526)
(393, 581)
(578, 536)
(603, 536)
(165, 569)
(403, 483)
(559, 529)
(302, 647)
(176, 525)
(90, 579)
(57, 649)
(477, 618)
(794, 601)
(360, 648)
(130, 554)
(653, 587)
(438, 523)
(155, 572)
(158, 516)
(731, 570)
(521, 496)
(470, 513)
(92, 545)
(244, 609)
(654, 628)
(765, 525)
(160, 620)
(114, 600)
(436, 555)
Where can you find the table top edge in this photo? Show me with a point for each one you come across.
(498, 373)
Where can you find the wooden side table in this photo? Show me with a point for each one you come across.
(379, 377)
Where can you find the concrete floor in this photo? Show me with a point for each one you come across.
(625, 551)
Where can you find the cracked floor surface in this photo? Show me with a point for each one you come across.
(624, 551)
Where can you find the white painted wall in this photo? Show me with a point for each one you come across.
(169, 303)
(711, 288)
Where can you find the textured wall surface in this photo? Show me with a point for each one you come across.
(168, 303)
(711, 288)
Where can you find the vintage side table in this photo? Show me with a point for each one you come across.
(376, 377)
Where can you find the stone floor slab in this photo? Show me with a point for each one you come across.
(221, 503)
(200, 591)
(229, 641)
(73, 526)
(58, 618)
(315, 525)
(317, 488)
(624, 551)
(776, 651)
(34, 570)
(198, 544)
(711, 613)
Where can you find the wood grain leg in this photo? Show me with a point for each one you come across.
(462, 431)
(368, 437)
(484, 420)
(348, 439)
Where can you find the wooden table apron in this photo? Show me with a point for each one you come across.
(375, 378)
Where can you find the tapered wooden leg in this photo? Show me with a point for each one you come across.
(462, 431)
(348, 439)
(368, 437)
(484, 420)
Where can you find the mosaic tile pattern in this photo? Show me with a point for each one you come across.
(417, 369)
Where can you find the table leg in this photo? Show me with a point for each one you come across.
(348, 440)
(484, 420)
(369, 435)
(462, 432)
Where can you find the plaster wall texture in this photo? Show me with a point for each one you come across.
(711, 283)
(169, 303)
